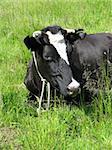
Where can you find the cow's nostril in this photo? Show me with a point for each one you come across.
(70, 92)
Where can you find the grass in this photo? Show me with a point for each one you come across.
(61, 128)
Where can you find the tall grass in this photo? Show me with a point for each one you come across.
(62, 127)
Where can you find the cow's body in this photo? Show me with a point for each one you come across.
(88, 57)
(85, 57)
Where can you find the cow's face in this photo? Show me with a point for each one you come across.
(51, 55)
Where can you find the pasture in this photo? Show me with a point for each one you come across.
(62, 127)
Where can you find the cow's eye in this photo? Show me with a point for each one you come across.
(48, 58)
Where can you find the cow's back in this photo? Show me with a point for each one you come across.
(92, 48)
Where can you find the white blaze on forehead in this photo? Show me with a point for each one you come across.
(57, 40)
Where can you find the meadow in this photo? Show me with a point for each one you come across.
(62, 127)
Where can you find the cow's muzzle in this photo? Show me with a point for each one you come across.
(73, 87)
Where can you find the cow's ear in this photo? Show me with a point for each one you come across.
(80, 33)
(73, 35)
(30, 42)
(27, 42)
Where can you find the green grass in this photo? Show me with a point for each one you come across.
(62, 128)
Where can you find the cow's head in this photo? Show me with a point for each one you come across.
(50, 48)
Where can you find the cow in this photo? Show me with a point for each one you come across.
(32, 80)
(68, 60)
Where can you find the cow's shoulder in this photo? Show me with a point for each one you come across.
(93, 44)
(91, 49)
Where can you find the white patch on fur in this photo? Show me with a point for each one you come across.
(36, 33)
(57, 40)
(73, 85)
(70, 30)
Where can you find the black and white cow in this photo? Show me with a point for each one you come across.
(68, 60)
